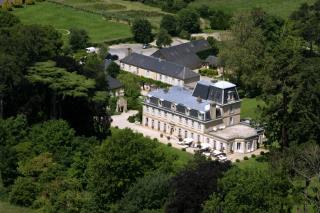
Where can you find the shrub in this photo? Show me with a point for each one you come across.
(24, 192)
(116, 127)
(237, 160)
(169, 144)
(253, 155)
(245, 158)
(262, 153)
(183, 149)
(132, 118)
(208, 72)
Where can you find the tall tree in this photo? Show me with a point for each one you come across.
(193, 186)
(119, 161)
(141, 30)
(170, 23)
(79, 39)
(163, 38)
(306, 23)
(278, 84)
(60, 82)
(260, 191)
(189, 20)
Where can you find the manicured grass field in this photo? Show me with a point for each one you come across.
(7, 208)
(251, 163)
(119, 9)
(282, 8)
(61, 17)
(249, 108)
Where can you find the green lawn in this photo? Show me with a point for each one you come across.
(251, 163)
(119, 9)
(61, 17)
(249, 108)
(182, 157)
(7, 208)
(281, 8)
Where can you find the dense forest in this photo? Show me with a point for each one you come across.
(59, 154)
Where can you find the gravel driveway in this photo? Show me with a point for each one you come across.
(122, 122)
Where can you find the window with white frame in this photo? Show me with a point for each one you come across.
(199, 125)
(173, 106)
(231, 121)
(231, 108)
(238, 146)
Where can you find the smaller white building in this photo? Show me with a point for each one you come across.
(158, 69)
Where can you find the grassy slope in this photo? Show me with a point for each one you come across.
(183, 157)
(249, 107)
(251, 163)
(281, 8)
(60, 17)
(7, 208)
(119, 7)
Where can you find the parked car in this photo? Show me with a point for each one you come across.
(186, 141)
(146, 46)
(221, 158)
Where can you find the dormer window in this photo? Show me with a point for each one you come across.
(187, 111)
(173, 106)
(200, 115)
(230, 96)
(160, 102)
(148, 99)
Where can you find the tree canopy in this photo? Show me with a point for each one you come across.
(141, 30)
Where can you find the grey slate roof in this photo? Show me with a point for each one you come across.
(182, 96)
(215, 91)
(184, 54)
(160, 66)
(113, 83)
(212, 60)
(107, 62)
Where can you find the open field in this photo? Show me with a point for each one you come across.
(282, 8)
(118, 9)
(249, 108)
(61, 17)
(7, 208)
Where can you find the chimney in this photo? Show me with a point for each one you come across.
(129, 51)
(213, 110)
(199, 99)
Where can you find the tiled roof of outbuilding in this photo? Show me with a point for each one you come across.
(184, 54)
(160, 66)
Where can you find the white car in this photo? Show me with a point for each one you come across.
(221, 158)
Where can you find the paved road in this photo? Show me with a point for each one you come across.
(122, 50)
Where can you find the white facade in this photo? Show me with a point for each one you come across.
(154, 75)
(222, 131)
